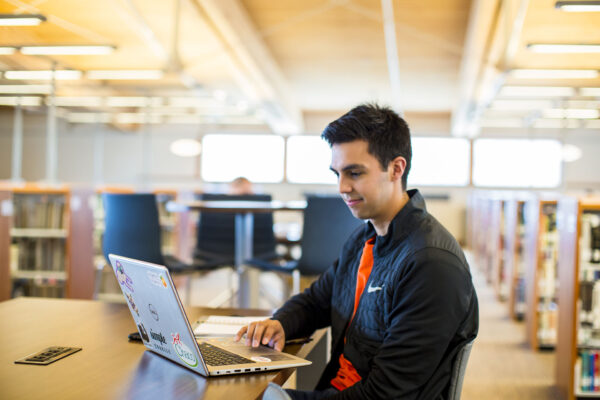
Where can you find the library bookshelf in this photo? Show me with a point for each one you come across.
(578, 346)
(45, 241)
(514, 260)
(541, 255)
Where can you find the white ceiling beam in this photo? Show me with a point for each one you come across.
(251, 64)
(492, 40)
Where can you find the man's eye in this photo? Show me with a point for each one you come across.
(354, 174)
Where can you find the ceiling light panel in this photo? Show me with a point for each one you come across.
(570, 113)
(42, 75)
(125, 74)
(67, 50)
(536, 91)
(20, 100)
(578, 6)
(25, 89)
(554, 74)
(4, 51)
(563, 48)
(133, 101)
(591, 92)
(78, 101)
(21, 19)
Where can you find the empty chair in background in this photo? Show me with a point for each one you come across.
(132, 229)
(327, 225)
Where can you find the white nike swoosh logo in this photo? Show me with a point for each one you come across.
(372, 289)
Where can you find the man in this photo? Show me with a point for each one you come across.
(399, 299)
(240, 185)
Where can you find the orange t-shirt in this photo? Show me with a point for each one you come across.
(347, 374)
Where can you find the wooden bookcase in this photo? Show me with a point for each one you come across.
(579, 294)
(541, 252)
(514, 260)
(45, 241)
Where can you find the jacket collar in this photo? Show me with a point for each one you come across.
(401, 226)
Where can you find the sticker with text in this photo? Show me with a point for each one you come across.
(132, 303)
(157, 279)
(260, 359)
(183, 351)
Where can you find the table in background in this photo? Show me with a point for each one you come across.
(244, 223)
(109, 366)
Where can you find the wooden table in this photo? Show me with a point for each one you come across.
(109, 366)
(244, 221)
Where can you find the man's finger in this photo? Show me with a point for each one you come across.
(250, 333)
(258, 333)
(268, 334)
(240, 333)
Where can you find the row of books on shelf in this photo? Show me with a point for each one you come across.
(48, 288)
(37, 254)
(587, 371)
(38, 211)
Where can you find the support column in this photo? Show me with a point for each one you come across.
(17, 148)
(51, 137)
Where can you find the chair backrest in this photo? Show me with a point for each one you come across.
(132, 227)
(459, 367)
(275, 392)
(327, 225)
(215, 235)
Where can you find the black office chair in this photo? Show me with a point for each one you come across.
(132, 230)
(215, 234)
(327, 225)
(459, 366)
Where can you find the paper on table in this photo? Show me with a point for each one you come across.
(221, 325)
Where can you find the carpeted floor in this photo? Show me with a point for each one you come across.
(501, 366)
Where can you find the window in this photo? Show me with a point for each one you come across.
(517, 163)
(308, 160)
(256, 157)
(439, 162)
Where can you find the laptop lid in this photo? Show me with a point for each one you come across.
(157, 311)
(165, 329)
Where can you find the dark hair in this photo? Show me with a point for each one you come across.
(384, 130)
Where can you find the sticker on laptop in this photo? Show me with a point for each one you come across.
(157, 279)
(132, 303)
(122, 277)
(260, 359)
(143, 332)
(183, 351)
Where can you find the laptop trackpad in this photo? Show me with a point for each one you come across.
(240, 348)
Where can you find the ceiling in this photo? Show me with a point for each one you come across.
(276, 63)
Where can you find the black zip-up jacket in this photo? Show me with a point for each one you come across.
(418, 308)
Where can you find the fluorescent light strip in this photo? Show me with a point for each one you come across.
(20, 100)
(25, 89)
(78, 101)
(21, 19)
(4, 51)
(518, 105)
(591, 92)
(536, 91)
(571, 113)
(554, 73)
(578, 6)
(148, 74)
(67, 50)
(43, 75)
(563, 48)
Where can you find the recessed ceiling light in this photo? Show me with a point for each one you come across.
(563, 48)
(21, 19)
(554, 73)
(67, 50)
(7, 50)
(578, 6)
(571, 113)
(25, 89)
(20, 100)
(536, 91)
(591, 91)
(42, 75)
(148, 74)
(186, 147)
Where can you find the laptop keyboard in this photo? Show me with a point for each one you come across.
(215, 356)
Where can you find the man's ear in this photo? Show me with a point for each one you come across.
(397, 167)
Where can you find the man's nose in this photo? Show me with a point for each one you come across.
(343, 185)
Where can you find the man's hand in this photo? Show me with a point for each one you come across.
(267, 332)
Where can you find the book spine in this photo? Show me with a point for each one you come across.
(596, 371)
(591, 366)
(585, 371)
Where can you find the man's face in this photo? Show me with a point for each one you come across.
(364, 186)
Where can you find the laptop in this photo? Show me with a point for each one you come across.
(165, 329)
